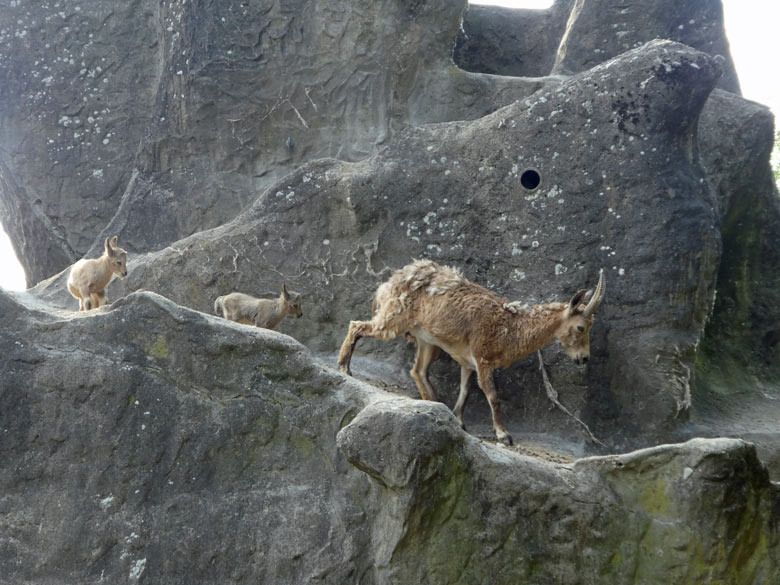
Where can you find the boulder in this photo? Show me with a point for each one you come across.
(147, 442)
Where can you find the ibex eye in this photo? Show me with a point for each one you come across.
(580, 328)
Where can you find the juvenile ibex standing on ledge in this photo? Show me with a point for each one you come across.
(480, 330)
(264, 313)
(89, 278)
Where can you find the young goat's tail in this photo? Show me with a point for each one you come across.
(218, 307)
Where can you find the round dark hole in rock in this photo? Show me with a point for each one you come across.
(530, 179)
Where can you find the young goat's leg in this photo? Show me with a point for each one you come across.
(94, 300)
(102, 298)
(485, 379)
(86, 299)
(465, 375)
(426, 353)
(77, 295)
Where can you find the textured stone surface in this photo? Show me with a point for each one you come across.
(643, 517)
(184, 173)
(620, 189)
(150, 443)
(598, 30)
(155, 444)
(738, 386)
(161, 120)
(78, 90)
(573, 35)
(505, 41)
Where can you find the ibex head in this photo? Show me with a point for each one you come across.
(574, 331)
(292, 300)
(117, 257)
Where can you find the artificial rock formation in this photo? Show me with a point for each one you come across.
(161, 120)
(149, 443)
(627, 194)
(323, 144)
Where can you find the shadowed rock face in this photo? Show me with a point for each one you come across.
(151, 443)
(504, 41)
(573, 35)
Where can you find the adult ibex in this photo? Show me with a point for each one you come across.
(440, 308)
(89, 278)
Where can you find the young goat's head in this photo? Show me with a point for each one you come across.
(117, 257)
(574, 332)
(292, 300)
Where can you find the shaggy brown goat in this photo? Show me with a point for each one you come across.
(440, 308)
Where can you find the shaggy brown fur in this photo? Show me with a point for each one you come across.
(264, 313)
(440, 308)
(89, 278)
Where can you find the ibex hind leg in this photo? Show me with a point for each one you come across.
(357, 329)
(100, 298)
(95, 300)
(426, 353)
(88, 301)
(465, 375)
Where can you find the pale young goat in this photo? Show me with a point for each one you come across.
(264, 313)
(440, 308)
(89, 278)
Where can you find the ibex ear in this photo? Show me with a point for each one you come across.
(575, 301)
(285, 294)
(113, 242)
(109, 249)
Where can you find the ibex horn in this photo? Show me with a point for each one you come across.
(597, 297)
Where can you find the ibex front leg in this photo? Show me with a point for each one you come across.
(485, 379)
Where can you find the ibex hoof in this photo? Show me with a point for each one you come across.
(345, 369)
(505, 438)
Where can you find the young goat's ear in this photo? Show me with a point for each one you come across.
(285, 294)
(575, 301)
(109, 249)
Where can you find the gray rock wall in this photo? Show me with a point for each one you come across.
(149, 443)
(161, 120)
(572, 36)
(78, 92)
(323, 144)
(627, 194)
